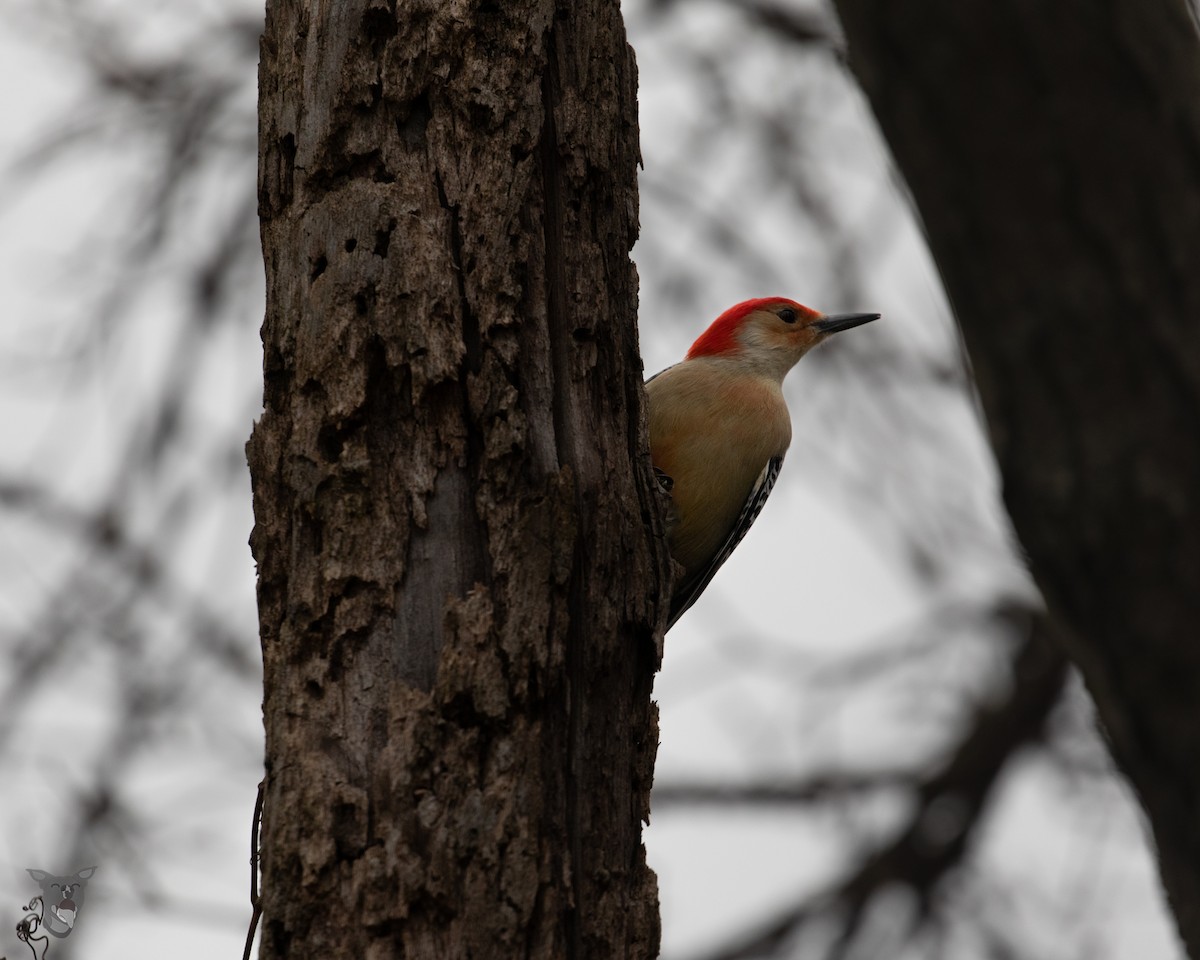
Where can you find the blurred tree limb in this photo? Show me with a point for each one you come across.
(950, 800)
(1054, 154)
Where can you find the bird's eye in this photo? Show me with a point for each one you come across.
(787, 315)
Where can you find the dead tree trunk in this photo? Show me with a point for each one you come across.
(1054, 153)
(458, 586)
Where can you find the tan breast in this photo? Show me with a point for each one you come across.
(713, 434)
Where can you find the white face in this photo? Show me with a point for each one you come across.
(779, 335)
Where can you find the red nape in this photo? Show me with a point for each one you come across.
(719, 338)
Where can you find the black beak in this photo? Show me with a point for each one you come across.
(843, 321)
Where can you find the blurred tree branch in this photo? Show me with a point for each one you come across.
(1059, 184)
(949, 800)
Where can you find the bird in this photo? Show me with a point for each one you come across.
(719, 429)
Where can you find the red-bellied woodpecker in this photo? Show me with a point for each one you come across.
(719, 428)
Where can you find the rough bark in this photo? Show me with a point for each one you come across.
(458, 588)
(1053, 151)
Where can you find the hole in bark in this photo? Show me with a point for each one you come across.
(275, 368)
(287, 168)
(281, 937)
(345, 827)
(379, 24)
(318, 267)
(330, 440)
(351, 243)
(316, 531)
(364, 300)
(482, 116)
(314, 690)
(411, 125)
(383, 238)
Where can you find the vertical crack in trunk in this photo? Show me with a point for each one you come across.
(565, 439)
(479, 566)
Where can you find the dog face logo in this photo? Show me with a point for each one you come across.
(62, 899)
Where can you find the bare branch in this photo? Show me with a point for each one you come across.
(949, 809)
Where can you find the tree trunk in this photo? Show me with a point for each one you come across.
(460, 556)
(1054, 153)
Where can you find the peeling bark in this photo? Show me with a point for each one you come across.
(1054, 153)
(460, 552)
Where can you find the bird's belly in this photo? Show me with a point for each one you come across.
(708, 497)
(714, 444)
